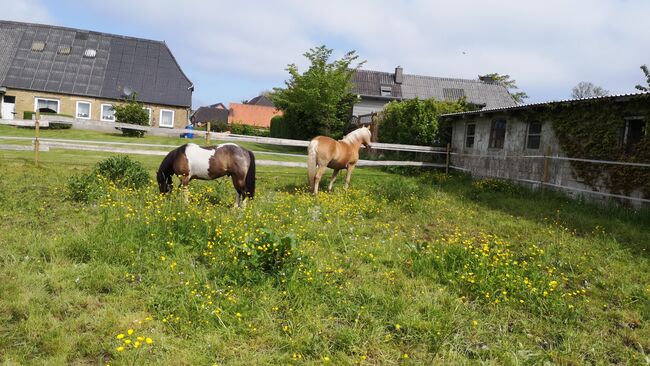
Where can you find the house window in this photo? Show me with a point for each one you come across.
(83, 110)
(497, 134)
(635, 130)
(166, 118)
(470, 131)
(386, 91)
(108, 113)
(148, 110)
(46, 105)
(534, 136)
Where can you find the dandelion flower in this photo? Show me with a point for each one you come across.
(129, 332)
(120, 336)
(120, 349)
(149, 340)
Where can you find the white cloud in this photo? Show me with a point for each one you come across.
(25, 11)
(548, 46)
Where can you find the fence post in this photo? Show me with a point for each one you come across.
(37, 142)
(547, 153)
(207, 133)
(447, 162)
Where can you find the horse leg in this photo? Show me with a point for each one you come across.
(319, 175)
(347, 177)
(332, 180)
(185, 181)
(240, 186)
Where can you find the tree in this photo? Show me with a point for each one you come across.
(415, 121)
(131, 112)
(318, 101)
(510, 84)
(644, 68)
(587, 89)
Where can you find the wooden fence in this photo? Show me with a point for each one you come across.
(44, 144)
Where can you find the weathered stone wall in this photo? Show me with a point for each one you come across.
(510, 162)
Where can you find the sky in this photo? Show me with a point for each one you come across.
(233, 50)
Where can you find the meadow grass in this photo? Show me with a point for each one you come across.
(424, 269)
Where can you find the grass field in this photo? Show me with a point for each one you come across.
(425, 269)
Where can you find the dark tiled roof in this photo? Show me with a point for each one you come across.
(617, 97)
(144, 66)
(205, 114)
(261, 100)
(368, 84)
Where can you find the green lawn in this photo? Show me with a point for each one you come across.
(426, 269)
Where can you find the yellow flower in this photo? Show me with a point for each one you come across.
(398, 327)
(136, 344)
(406, 355)
(120, 336)
(474, 322)
(127, 341)
(120, 349)
(130, 331)
(149, 340)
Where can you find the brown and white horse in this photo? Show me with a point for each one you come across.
(192, 161)
(325, 152)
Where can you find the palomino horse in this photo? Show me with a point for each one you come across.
(191, 161)
(325, 152)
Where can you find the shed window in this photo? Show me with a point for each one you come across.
(108, 113)
(470, 131)
(166, 118)
(83, 110)
(497, 134)
(386, 91)
(635, 130)
(534, 136)
(47, 105)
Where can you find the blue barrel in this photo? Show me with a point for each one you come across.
(188, 135)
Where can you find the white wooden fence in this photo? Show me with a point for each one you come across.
(44, 144)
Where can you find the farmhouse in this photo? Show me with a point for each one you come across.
(376, 88)
(82, 73)
(215, 113)
(535, 142)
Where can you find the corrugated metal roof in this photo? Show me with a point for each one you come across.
(111, 64)
(531, 105)
(368, 83)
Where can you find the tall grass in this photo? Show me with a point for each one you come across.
(427, 269)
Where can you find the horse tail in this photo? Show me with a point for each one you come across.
(250, 176)
(166, 170)
(311, 162)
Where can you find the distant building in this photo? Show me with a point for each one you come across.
(507, 142)
(256, 112)
(82, 73)
(376, 88)
(213, 113)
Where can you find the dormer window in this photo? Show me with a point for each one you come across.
(386, 91)
(38, 46)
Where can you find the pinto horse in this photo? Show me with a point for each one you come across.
(192, 161)
(325, 152)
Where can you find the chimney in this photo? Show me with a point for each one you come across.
(399, 77)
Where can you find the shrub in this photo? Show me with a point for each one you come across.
(267, 252)
(84, 188)
(242, 129)
(279, 128)
(134, 113)
(123, 171)
(120, 170)
(218, 126)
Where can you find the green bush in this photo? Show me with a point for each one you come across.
(120, 170)
(219, 126)
(279, 128)
(134, 113)
(84, 188)
(123, 171)
(242, 129)
(268, 252)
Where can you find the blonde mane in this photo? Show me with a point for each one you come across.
(356, 135)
